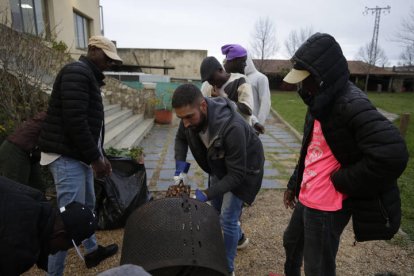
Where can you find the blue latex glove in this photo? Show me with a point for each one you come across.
(181, 170)
(181, 167)
(200, 196)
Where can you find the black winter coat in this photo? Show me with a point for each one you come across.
(235, 153)
(26, 223)
(369, 148)
(75, 115)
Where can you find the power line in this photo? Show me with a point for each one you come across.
(374, 42)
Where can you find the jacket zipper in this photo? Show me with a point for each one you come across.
(384, 213)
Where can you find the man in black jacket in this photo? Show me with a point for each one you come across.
(225, 147)
(72, 138)
(30, 228)
(349, 163)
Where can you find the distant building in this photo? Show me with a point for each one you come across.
(396, 79)
(72, 22)
(179, 64)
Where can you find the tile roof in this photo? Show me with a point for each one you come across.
(273, 66)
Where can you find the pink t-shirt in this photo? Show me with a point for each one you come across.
(317, 190)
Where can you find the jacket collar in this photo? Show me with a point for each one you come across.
(97, 73)
(219, 112)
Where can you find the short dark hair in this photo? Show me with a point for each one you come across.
(186, 94)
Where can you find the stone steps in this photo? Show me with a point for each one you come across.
(136, 135)
(123, 129)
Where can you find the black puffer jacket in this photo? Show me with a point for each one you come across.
(235, 153)
(369, 148)
(26, 223)
(75, 115)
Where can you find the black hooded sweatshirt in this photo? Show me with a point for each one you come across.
(26, 223)
(369, 147)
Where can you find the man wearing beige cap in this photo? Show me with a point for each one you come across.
(72, 135)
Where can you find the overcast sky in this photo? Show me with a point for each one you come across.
(209, 24)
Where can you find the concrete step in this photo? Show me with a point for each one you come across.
(118, 132)
(111, 109)
(115, 119)
(135, 137)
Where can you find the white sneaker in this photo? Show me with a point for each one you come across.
(243, 242)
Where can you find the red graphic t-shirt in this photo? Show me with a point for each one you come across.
(317, 190)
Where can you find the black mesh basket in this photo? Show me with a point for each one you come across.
(175, 236)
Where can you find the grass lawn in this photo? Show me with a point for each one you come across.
(291, 107)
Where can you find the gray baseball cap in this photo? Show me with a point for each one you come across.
(208, 67)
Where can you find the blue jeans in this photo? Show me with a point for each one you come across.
(229, 206)
(74, 182)
(313, 236)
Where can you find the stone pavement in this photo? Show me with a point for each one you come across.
(280, 144)
(281, 152)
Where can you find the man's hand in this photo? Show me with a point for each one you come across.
(181, 170)
(108, 166)
(99, 167)
(259, 128)
(215, 92)
(289, 199)
(200, 195)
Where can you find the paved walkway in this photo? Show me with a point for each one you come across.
(281, 151)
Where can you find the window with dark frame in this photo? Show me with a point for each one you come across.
(81, 30)
(28, 16)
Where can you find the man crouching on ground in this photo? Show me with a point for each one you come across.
(225, 147)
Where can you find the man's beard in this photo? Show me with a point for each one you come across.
(203, 122)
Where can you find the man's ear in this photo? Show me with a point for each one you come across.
(203, 106)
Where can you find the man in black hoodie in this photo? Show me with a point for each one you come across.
(225, 147)
(72, 138)
(349, 163)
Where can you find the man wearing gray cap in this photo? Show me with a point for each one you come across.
(218, 82)
(72, 138)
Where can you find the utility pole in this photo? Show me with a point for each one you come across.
(374, 42)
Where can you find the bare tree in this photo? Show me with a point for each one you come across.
(27, 67)
(406, 32)
(407, 56)
(263, 43)
(371, 58)
(376, 59)
(405, 36)
(297, 38)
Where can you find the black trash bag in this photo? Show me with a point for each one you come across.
(121, 193)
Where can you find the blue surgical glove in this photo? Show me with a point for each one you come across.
(181, 170)
(200, 196)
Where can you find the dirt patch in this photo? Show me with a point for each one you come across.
(264, 224)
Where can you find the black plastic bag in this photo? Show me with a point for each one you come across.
(121, 193)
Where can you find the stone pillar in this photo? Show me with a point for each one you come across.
(149, 99)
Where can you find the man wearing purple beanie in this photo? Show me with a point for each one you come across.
(235, 62)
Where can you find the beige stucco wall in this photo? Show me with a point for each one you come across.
(186, 62)
(5, 14)
(62, 25)
(60, 13)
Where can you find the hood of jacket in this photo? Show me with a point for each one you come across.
(250, 68)
(220, 111)
(322, 56)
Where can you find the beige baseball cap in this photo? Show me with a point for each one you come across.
(106, 45)
(296, 76)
